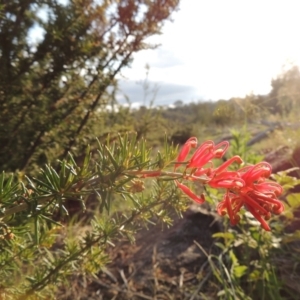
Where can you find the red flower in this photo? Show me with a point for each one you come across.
(246, 187)
(257, 195)
(190, 143)
(227, 163)
(221, 178)
(206, 152)
(202, 156)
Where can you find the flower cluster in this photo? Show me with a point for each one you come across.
(247, 187)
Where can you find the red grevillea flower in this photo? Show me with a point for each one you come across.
(257, 195)
(222, 178)
(185, 150)
(203, 155)
(246, 187)
(206, 152)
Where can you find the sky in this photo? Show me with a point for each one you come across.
(217, 50)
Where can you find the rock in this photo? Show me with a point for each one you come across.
(282, 159)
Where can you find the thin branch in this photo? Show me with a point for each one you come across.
(94, 104)
(32, 150)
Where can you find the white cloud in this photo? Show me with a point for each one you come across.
(222, 48)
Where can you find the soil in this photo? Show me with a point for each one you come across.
(168, 263)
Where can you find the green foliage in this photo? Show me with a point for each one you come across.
(246, 258)
(54, 90)
(285, 92)
(37, 251)
(239, 146)
(287, 181)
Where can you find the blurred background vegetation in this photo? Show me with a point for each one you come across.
(58, 94)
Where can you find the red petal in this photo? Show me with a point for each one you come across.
(259, 218)
(190, 143)
(227, 163)
(267, 187)
(203, 155)
(228, 183)
(189, 193)
(254, 173)
(218, 151)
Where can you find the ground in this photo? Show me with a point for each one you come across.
(169, 263)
